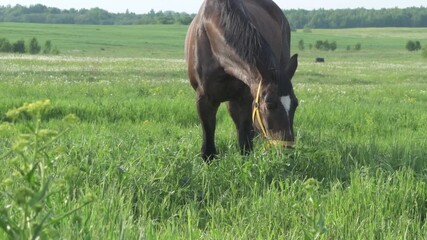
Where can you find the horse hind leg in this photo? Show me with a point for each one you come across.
(240, 111)
(207, 113)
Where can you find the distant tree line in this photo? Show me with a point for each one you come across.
(355, 18)
(42, 14)
(321, 18)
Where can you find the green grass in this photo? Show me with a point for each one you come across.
(358, 171)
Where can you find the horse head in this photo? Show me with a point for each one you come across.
(274, 107)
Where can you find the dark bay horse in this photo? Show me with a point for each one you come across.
(239, 51)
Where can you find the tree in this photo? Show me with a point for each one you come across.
(417, 45)
(333, 46)
(5, 45)
(410, 46)
(56, 51)
(165, 17)
(34, 47)
(184, 18)
(358, 47)
(47, 47)
(301, 45)
(413, 45)
(19, 47)
(425, 51)
(319, 44)
(326, 45)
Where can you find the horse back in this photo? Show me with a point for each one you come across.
(202, 50)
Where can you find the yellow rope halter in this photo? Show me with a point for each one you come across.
(256, 114)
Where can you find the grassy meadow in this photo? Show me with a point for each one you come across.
(129, 167)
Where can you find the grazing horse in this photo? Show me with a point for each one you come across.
(239, 51)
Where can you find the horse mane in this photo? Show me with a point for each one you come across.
(241, 34)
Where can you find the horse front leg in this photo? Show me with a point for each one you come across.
(207, 113)
(240, 111)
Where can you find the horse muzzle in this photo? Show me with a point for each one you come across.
(280, 143)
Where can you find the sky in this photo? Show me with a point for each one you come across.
(192, 6)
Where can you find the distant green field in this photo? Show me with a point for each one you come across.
(108, 41)
(166, 41)
(359, 170)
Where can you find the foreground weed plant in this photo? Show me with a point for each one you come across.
(26, 211)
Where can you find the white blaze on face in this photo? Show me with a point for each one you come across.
(286, 102)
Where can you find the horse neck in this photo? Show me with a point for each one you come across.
(249, 44)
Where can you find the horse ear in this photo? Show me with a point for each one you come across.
(292, 66)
